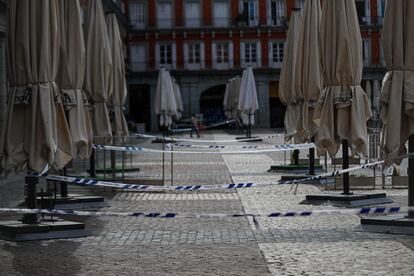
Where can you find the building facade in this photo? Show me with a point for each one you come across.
(206, 42)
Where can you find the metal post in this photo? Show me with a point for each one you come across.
(163, 158)
(345, 165)
(113, 164)
(172, 165)
(31, 182)
(92, 169)
(411, 177)
(312, 159)
(64, 185)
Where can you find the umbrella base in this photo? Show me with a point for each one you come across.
(251, 139)
(353, 200)
(45, 230)
(72, 201)
(160, 141)
(313, 181)
(392, 224)
(294, 169)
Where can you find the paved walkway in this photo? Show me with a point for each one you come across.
(211, 246)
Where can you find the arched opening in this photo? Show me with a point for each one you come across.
(211, 104)
(139, 105)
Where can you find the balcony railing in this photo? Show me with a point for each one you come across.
(141, 66)
(198, 22)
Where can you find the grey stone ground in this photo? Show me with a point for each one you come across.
(226, 246)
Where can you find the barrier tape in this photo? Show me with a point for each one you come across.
(332, 174)
(251, 147)
(173, 139)
(276, 148)
(123, 186)
(367, 211)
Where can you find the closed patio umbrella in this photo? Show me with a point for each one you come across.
(343, 107)
(178, 100)
(119, 89)
(231, 98)
(36, 133)
(287, 91)
(248, 103)
(98, 80)
(71, 77)
(397, 112)
(308, 75)
(397, 94)
(165, 105)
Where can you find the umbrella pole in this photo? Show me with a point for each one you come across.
(249, 135)
(345, 165)
(312, 158)
(411, 177)
(31, 182)
(64, 185)
(163, 157)
(92, 169)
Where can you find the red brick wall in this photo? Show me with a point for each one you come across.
(178, 12)
(206, 7)
(151, 52)
(264, 41)
(262, 12)
(207, 50)
(180, 52)
(236, 50)
(151, 13)
(234, 9)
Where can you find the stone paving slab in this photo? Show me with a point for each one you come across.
(374, 257)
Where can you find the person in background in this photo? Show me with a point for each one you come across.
(194, 126)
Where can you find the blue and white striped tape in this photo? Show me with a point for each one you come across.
(207, 141)
(367, 211)
(247, 147)
(276, 148)
(123, 186)
(334, 173)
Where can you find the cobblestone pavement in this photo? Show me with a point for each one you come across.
(215, 246)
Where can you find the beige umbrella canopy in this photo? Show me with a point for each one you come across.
(71, 76)
(178, 100)
(231, 98)
(119, 89)
(36, 133)
(165, 105)
(343, 108)
(397, 95)
(287, 91)
(98, 81)
(248, 103)
(308, 75)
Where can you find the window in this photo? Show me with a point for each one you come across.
(194, 55)
(221, 13)
(276, 50)
(251, 54)
(222, 55)
(250, 11)
(137, 12)
(165, 55)
(381, 11)
(192, 14)
(222, 52)
(276, 12)
(364, 12)
(138, 57)
(366, 52)
(164, 14)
